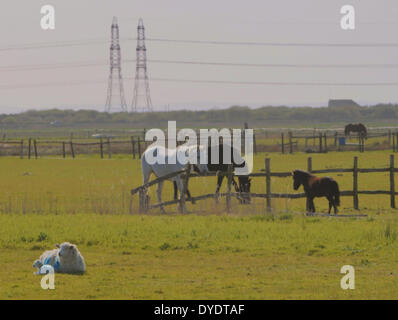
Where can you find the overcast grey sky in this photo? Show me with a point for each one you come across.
(285, 21)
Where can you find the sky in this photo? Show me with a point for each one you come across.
(27, 80)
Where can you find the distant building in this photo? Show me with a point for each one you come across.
(56, 123)
(103, 135)
(342, 103)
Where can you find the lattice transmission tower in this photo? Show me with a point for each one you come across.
(115, 82)
(141, 87)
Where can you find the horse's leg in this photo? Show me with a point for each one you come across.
(330, 198)
(180, 186)
(146, 174)
(312, 205)
(189, 197)
(308, 205)
(236, 187)
(335, 206)
(175, 190)
(219, 182)
(159, 192)
(176, 193)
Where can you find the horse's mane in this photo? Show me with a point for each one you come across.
(303, 173)
(232, 148)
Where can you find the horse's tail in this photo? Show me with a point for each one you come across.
(347, 129)
(365, 132)
(336, 193)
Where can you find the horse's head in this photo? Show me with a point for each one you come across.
(297, 179)
(200, 167)
(244, 186)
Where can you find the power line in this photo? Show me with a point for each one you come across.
(263, 83)
(97, 41)
(276, 83)
(277, 65)
(52, 66)
(276, 44)
(50, 84)
(56, 44)
(205, 63)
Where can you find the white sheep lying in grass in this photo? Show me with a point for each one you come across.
(65, 259)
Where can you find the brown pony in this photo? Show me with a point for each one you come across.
(317, 187)
(355, 127)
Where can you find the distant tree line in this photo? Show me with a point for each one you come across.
(233, 116)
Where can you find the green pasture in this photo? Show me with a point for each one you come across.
(207, 254)
(203, 257)
(91, 185)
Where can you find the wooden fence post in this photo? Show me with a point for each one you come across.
(254, 143)
(320, 142)
(29, 147)
(396, 141)
(109, 148)
(309, 164)
(355, 183)
(102, 148)
(35, 148)
(389, 137)
(139, 147)
(290, 142)
(335, 138)
(309, 169)
(133, 146)
(21, 151)
(242, 141)
(71, 149)
(268, 182)
(228, 197)
(392, 182)
(283, 143)
(326, 142)
(63, 150)
(314, 138)
(363, 143)
(185, 181)
(142, 201)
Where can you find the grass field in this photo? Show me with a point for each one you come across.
(203, 257)
(248, 254)
(103, 186)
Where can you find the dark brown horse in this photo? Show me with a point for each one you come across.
(317, 187)
(355, 127)
(244, 181)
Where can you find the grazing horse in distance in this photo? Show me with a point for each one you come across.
(165, 166)
(356, 127)
(237, 162)
(317, 187)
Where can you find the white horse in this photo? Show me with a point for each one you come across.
(169, 161)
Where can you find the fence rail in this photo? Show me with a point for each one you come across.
(103, 147)
(270, 140)
(269, 195)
